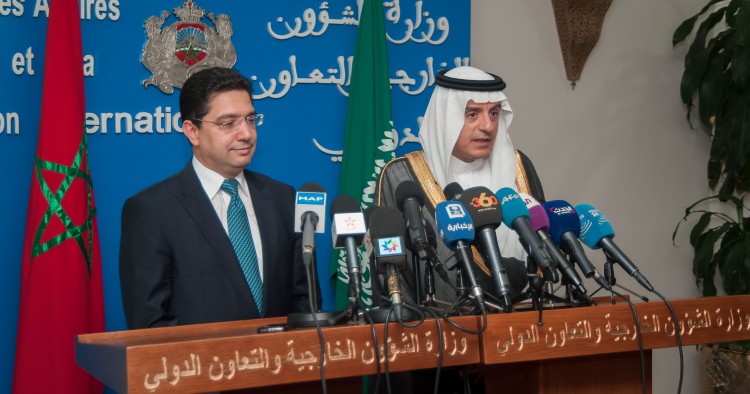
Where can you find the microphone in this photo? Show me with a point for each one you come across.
(310, 206)
(516, 216)
(410, 198)
(453, 191)
(348, 232)
(564, 229)
(387, 234)
(540, 224)
(596, 232)
(457, 231)
(484, 209)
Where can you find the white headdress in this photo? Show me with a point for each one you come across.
(442, 124)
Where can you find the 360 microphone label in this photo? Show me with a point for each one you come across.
(484, 201)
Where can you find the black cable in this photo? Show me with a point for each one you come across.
(319, 331)
(377, 351)
(482, 328)
(440, 352)
(677, 336)
(639, 336)
(385, 351)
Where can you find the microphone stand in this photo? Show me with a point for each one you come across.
(355, 279)
(536, 292)
(609, 276)
(302, 319)
(570, 297)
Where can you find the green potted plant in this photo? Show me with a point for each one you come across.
(716, 79)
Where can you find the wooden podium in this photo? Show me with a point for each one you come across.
(576, 350)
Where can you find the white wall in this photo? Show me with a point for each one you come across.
(619, 141)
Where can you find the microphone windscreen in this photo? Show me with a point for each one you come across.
(386, 221)
(344, 204)
(387, 230)
(538, 218)
(453, 191)
(454, 222)
(407, 189)
(512, 205)
(594, 226)
(312, 187)
(562, 218)
(482, 206)
(368, 212)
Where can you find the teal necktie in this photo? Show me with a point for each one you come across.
(242, 241)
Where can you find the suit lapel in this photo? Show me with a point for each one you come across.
(198, 206)
(263, 205)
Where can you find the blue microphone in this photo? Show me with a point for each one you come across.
(457, 231)
(516, 216)
(596, 232)
(564, 228)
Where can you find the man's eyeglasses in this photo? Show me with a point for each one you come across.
(233, 124)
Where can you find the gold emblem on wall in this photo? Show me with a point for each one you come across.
(190, 44)
(579, 23)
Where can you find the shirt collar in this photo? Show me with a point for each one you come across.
(212, 180)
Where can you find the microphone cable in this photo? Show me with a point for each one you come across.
(375, 346)
(399, 320)
(420, 312)
(638, 334)
(318, 329)
(677, 336)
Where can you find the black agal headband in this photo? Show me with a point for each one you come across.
(494, 85)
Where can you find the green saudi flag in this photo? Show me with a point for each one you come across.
(369, 138)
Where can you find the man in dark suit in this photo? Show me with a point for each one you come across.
(194, 248)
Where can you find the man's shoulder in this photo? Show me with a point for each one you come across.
(402, 163)
(161, 188)
(262, 181)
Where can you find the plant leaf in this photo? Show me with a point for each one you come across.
(731, 264)
(714, 173)
(697, 57)
(699, 227)
(709, 288)
(704, 252)
(732, 12)
(710, 89)
(686, 26)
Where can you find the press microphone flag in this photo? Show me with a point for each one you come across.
(348, 231)
(309, 208)
(348, 221)
(457, 231)
(386, 230)
(596, 232)
(311, 198)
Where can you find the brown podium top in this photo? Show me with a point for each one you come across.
(610, 328)
(232, 355)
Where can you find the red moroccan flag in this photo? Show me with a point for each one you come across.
(61, 277)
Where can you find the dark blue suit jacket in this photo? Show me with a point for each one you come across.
(177, 265)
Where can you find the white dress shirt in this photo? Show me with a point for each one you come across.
(211, 182)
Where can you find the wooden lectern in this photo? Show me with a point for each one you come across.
(577, 350)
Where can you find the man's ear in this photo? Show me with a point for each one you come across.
(191, 132)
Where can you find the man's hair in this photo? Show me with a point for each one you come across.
(202, 86)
